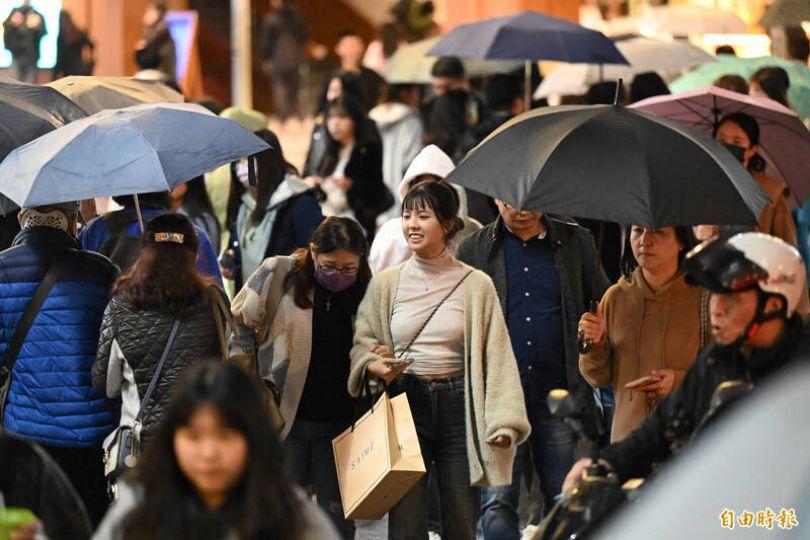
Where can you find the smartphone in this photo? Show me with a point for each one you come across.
(399, 365)
(227, 260)
(643, 381)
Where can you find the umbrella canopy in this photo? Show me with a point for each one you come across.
(21, 122)
(528, 36)
(613, 164)
(754, 458)
(705, 75)
(94, 94)
(784, 142)
(141, 149)
(644, 54)
(411, 64)
(685, 19)
(52, 101)
(785, 13)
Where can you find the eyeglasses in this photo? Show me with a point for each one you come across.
(330, 269)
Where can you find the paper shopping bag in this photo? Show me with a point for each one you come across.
(378, 460)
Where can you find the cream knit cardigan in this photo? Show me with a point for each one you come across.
(493, 397)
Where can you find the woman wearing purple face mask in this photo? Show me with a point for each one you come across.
(294, 318)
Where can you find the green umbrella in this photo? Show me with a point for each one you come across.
(705, 75)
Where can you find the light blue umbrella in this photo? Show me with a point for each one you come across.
(145, 148)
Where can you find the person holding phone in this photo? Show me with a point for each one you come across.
(647, 329)
(432, 327)
(294, 317)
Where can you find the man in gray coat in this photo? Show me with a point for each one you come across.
(543, 269)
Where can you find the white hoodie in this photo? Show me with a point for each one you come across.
(389, 247)
(401, 130)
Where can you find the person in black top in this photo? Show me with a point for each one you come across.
(308, 299)
(22, 32)
(74, 49)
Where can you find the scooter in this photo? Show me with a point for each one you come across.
(599, 494)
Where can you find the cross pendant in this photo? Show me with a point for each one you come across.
(328, 304)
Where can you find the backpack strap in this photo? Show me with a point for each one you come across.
(55, 270)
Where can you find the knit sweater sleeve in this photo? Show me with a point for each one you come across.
(505, 411)
(367, 332)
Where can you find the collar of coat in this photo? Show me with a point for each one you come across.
(553, 227)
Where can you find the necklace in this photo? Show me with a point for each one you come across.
(329, 303)
(422, 278)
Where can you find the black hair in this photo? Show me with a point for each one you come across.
(364, 130)
(440, 197)
(389, 36)
(332, 234)
(798, 45)
(684, 235)
(263, 503)
(750, 126)
(165, 277)
(348, 32)
(448, 66)
(733, 82)
(774, 81)
(349, 82)
(501, 91)
(725, 49)
(156, 199)
(197, 202)
(271, 168)
(394, 92)
(603, 93)
(647, 84)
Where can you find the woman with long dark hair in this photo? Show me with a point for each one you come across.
(214, 470)
(74, 49)
(432, 327)
(739, 132)
(163, 286)
(275, 217)
(350, 173)
(338, 84)
(296, 314)
(648, 328)
(192, 200)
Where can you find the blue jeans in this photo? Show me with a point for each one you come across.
(309, 446)
(438, 413)
(551, 445)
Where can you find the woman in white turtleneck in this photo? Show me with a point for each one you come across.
(457, 368)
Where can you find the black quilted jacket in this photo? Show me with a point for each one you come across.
(142, 336)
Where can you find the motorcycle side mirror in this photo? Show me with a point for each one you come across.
(727, 392)
(561, 404)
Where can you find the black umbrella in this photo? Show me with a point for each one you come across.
(609, 163)
(44, 97)
(22, 122)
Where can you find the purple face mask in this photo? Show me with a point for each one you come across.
(334, 281)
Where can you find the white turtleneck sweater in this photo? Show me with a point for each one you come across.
(423, 283)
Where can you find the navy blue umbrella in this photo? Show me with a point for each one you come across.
(529, 36)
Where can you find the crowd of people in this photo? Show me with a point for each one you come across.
(145, 401)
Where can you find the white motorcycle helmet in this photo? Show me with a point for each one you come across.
(782, 262)
(747, 261)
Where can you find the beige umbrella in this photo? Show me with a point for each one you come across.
(94, 94)
(410, 64)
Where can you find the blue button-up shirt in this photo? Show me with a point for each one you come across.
(534, 314)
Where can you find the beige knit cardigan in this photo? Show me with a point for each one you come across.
(494, 403)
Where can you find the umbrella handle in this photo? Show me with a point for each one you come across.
(138, 212)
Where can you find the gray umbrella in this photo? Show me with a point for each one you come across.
(145, 148)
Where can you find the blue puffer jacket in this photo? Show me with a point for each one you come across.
(52, 400)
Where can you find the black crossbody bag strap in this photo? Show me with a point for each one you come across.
(52, 275)
(432, 313)
(156, 375)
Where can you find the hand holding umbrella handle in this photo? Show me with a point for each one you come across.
(585, 344)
